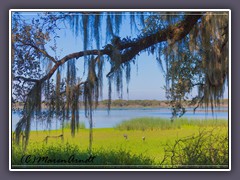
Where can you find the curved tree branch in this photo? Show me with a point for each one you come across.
(25, 79)
(173, 32)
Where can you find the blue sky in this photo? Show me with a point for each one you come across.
(147, 80)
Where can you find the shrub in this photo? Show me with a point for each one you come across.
(208, 149)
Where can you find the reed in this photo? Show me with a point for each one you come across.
(147, 123)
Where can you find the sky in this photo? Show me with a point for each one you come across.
(147, 80)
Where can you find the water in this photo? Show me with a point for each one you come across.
(101, 118)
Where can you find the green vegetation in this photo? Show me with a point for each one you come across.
(81, 125)
(120, 103)
(69, 155)
(181, 143)
(146, 123)
(133, 103)
(207, 149)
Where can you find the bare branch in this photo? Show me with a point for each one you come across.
(199, 102)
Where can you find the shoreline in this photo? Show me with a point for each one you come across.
(188, 109)
(140, 104)
(115, 127)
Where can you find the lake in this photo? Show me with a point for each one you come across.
(101, 118)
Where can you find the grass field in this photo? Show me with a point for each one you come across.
(148, 142)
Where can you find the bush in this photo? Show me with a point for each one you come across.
(205, 150)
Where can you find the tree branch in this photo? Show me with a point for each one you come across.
(199, 102)
(26, 79)
(39, 50)
(173, 33)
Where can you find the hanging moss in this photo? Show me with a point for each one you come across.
(38, 98)
(58, 81)
(85, 20)
(109, 92)
(30, 106)
(97, 29)
(128, 75)
(132, 21)
(142, 19)
(100, 65)
(109, 28)
(118, 22)
(200, 54)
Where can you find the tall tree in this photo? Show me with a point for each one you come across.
(191, 48)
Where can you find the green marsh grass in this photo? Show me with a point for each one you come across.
(81, 125)
(146, 123)
(110, 147)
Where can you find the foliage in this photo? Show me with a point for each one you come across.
(133, 103)
(200, 61)
(120, 103)
(204, 150)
